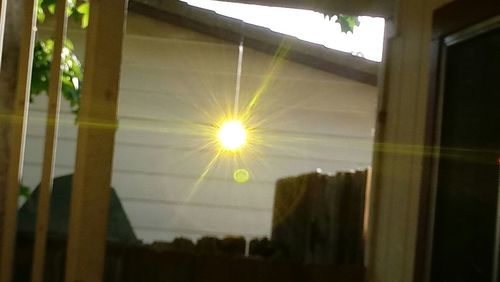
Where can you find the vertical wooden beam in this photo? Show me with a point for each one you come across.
(42, 215)
(3, 8)
(366, 216)
(97, 126)
(18, 137)
(399, 152)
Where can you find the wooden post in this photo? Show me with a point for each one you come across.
(366, 216)
(3, 8)
(94, 158)
(42, 215)
(18, 122)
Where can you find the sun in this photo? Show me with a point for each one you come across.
(232, 135)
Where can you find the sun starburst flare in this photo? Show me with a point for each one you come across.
(232, 135)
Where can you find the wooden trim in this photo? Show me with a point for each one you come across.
(374, 222)
(96, 135)
(446, 20)
(18, 124)
(54, 92)
(3, 12)
(461, 14)
(260, 39)
(366, 216)
(424, 237)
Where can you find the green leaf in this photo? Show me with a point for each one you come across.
(69, 44)
(84, 10)
(40, 15)
(24, 191)
(52, 8)
(347, 23)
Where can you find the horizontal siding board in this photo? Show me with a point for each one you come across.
(181, 55)
(200, 88)
(353, 151)
(277, 143)
(345, 101)
(233, 222)
(164, 76)
(192, 163)
(177, 191)
(167, 190)
(188, 227)
(32, 173)
(205, 109)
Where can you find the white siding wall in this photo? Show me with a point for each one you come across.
(175, 84)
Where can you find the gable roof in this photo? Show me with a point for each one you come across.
(259, 38)
(119, 227)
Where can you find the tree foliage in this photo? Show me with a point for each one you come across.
(347, 23)
(72, 72)
(76, 9)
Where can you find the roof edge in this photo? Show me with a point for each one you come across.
(259, 38)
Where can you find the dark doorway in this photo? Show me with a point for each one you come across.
(459, 218)
(467, 176)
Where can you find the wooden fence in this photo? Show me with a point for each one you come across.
(317, 236)
(138, 262)
(320, 218)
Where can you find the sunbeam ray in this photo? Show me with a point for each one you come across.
(270, 76)
(203, 175)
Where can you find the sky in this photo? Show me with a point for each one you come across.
(366, 41)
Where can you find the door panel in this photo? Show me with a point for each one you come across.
(463, 241)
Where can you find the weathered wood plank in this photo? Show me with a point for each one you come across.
(18, 121)
(8, 78)
(319, 218)
(52, 121)
(96, 136)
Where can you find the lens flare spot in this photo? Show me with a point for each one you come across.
(241, 175)
(232, 135)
